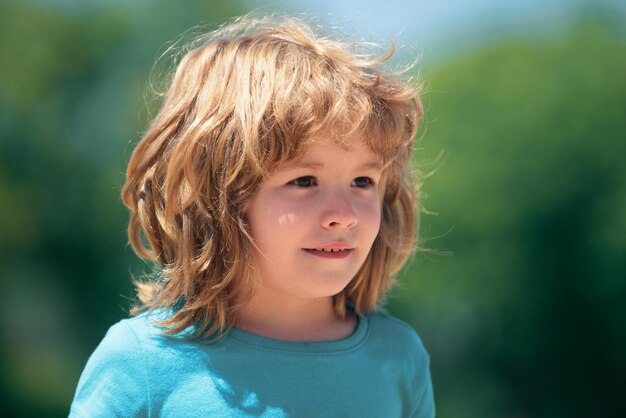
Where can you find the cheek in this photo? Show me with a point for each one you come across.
(271, 218)
(370, 218)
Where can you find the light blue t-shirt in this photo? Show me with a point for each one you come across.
(380, 370)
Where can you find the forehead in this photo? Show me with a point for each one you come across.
(326, 150)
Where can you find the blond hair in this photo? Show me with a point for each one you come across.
(243, 100)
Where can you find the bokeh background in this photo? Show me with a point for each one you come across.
(520, 293)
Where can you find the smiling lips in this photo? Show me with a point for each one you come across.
(329, 252)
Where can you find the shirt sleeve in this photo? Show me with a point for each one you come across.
(426, 404)
(114, 381)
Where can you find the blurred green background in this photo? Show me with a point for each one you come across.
(520, 296)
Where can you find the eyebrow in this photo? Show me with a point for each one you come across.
(370, 165)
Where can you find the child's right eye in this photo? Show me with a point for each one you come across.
(304, 181)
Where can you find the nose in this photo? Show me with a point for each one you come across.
(339, 212)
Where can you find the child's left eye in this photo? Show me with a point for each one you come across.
(362, 182)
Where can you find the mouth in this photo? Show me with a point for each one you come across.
(329, 252)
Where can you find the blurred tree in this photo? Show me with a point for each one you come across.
(72, 84)
(526, 318)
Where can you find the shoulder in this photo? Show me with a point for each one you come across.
(407, 356)
(387, 328)
(399, 342)
(114, 381)
(127, 340)
(124, 335)
(120, 344)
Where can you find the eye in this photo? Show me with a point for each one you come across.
(362, 182)
(304, 181)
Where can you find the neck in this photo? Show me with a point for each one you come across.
(295, 320)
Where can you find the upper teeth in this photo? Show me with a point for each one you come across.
(330, 250)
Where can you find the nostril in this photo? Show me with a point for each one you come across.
(346, 221)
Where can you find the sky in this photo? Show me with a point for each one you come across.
(432, 30)
(435, 27)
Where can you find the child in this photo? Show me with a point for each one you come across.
(273, 192)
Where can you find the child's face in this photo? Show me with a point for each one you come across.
(314, 221)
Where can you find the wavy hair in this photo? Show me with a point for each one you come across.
(243, 100)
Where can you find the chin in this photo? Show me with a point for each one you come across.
(332, 289)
